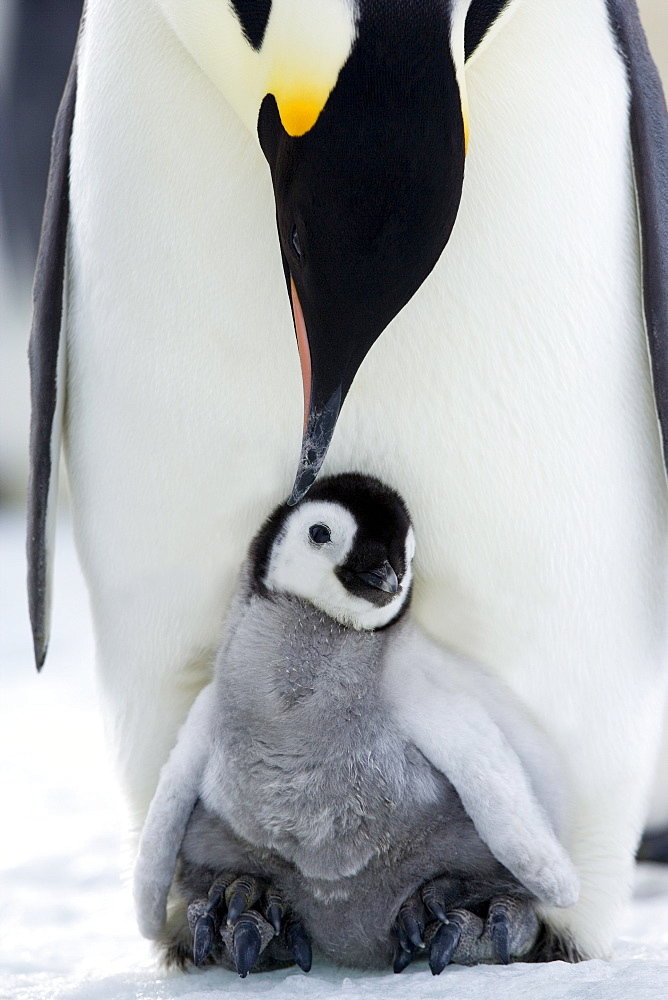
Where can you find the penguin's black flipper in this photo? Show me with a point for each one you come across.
(649, 138)
(47, 373)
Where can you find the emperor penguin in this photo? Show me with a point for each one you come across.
(296, 803)
(465, 201)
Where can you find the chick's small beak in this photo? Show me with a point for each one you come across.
(383, 578)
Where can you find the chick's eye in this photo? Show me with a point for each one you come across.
(296, 246)
(320, 533)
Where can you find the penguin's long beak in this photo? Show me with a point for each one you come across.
(365, 203)
(320, 424)
(322, 404)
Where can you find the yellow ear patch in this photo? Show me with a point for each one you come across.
(299, 114)
(306, 45)
(300, 96)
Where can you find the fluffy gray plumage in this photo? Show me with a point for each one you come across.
(299, 772)
(308, 765)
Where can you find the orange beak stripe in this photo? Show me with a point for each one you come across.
(304, 349)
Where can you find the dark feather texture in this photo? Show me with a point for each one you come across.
(44, 348)
(649, 138)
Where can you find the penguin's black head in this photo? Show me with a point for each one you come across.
(347, 548)
(366, 198)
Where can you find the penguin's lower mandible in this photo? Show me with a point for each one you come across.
(459, 209)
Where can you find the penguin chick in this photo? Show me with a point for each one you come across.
(299, 803)
(349, 552)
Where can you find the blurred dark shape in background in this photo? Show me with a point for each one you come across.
(37, 51)
(37, 39)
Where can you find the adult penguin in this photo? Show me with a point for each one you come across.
(509, 398)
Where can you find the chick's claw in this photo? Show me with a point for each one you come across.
(246, 939)
(468, 929)
(273, 908)
(512, 925)
(204, 928)
(499, 931)
(242, 894)
(403, 958)
(204, 938)
(411, 922)
(443, 945)
(298, 944)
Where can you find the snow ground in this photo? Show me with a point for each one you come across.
(66, 924)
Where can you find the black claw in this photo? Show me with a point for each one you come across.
(436, 910)
(299, 945)
(402, 959)
(214, 900)
(236, 906)
(500, 934)
(274, 915)
(247, 944)
(413, 931)
(205, 932)
(443, 946)
(404, 943)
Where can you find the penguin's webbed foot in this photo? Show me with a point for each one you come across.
(428, 922)
(243, 924)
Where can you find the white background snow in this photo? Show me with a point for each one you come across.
(67, 929)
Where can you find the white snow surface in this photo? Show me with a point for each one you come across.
(67, 929)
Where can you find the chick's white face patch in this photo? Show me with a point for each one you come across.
(298, 565)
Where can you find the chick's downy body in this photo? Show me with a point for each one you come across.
(311, 783)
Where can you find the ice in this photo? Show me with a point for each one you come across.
(67, 928)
